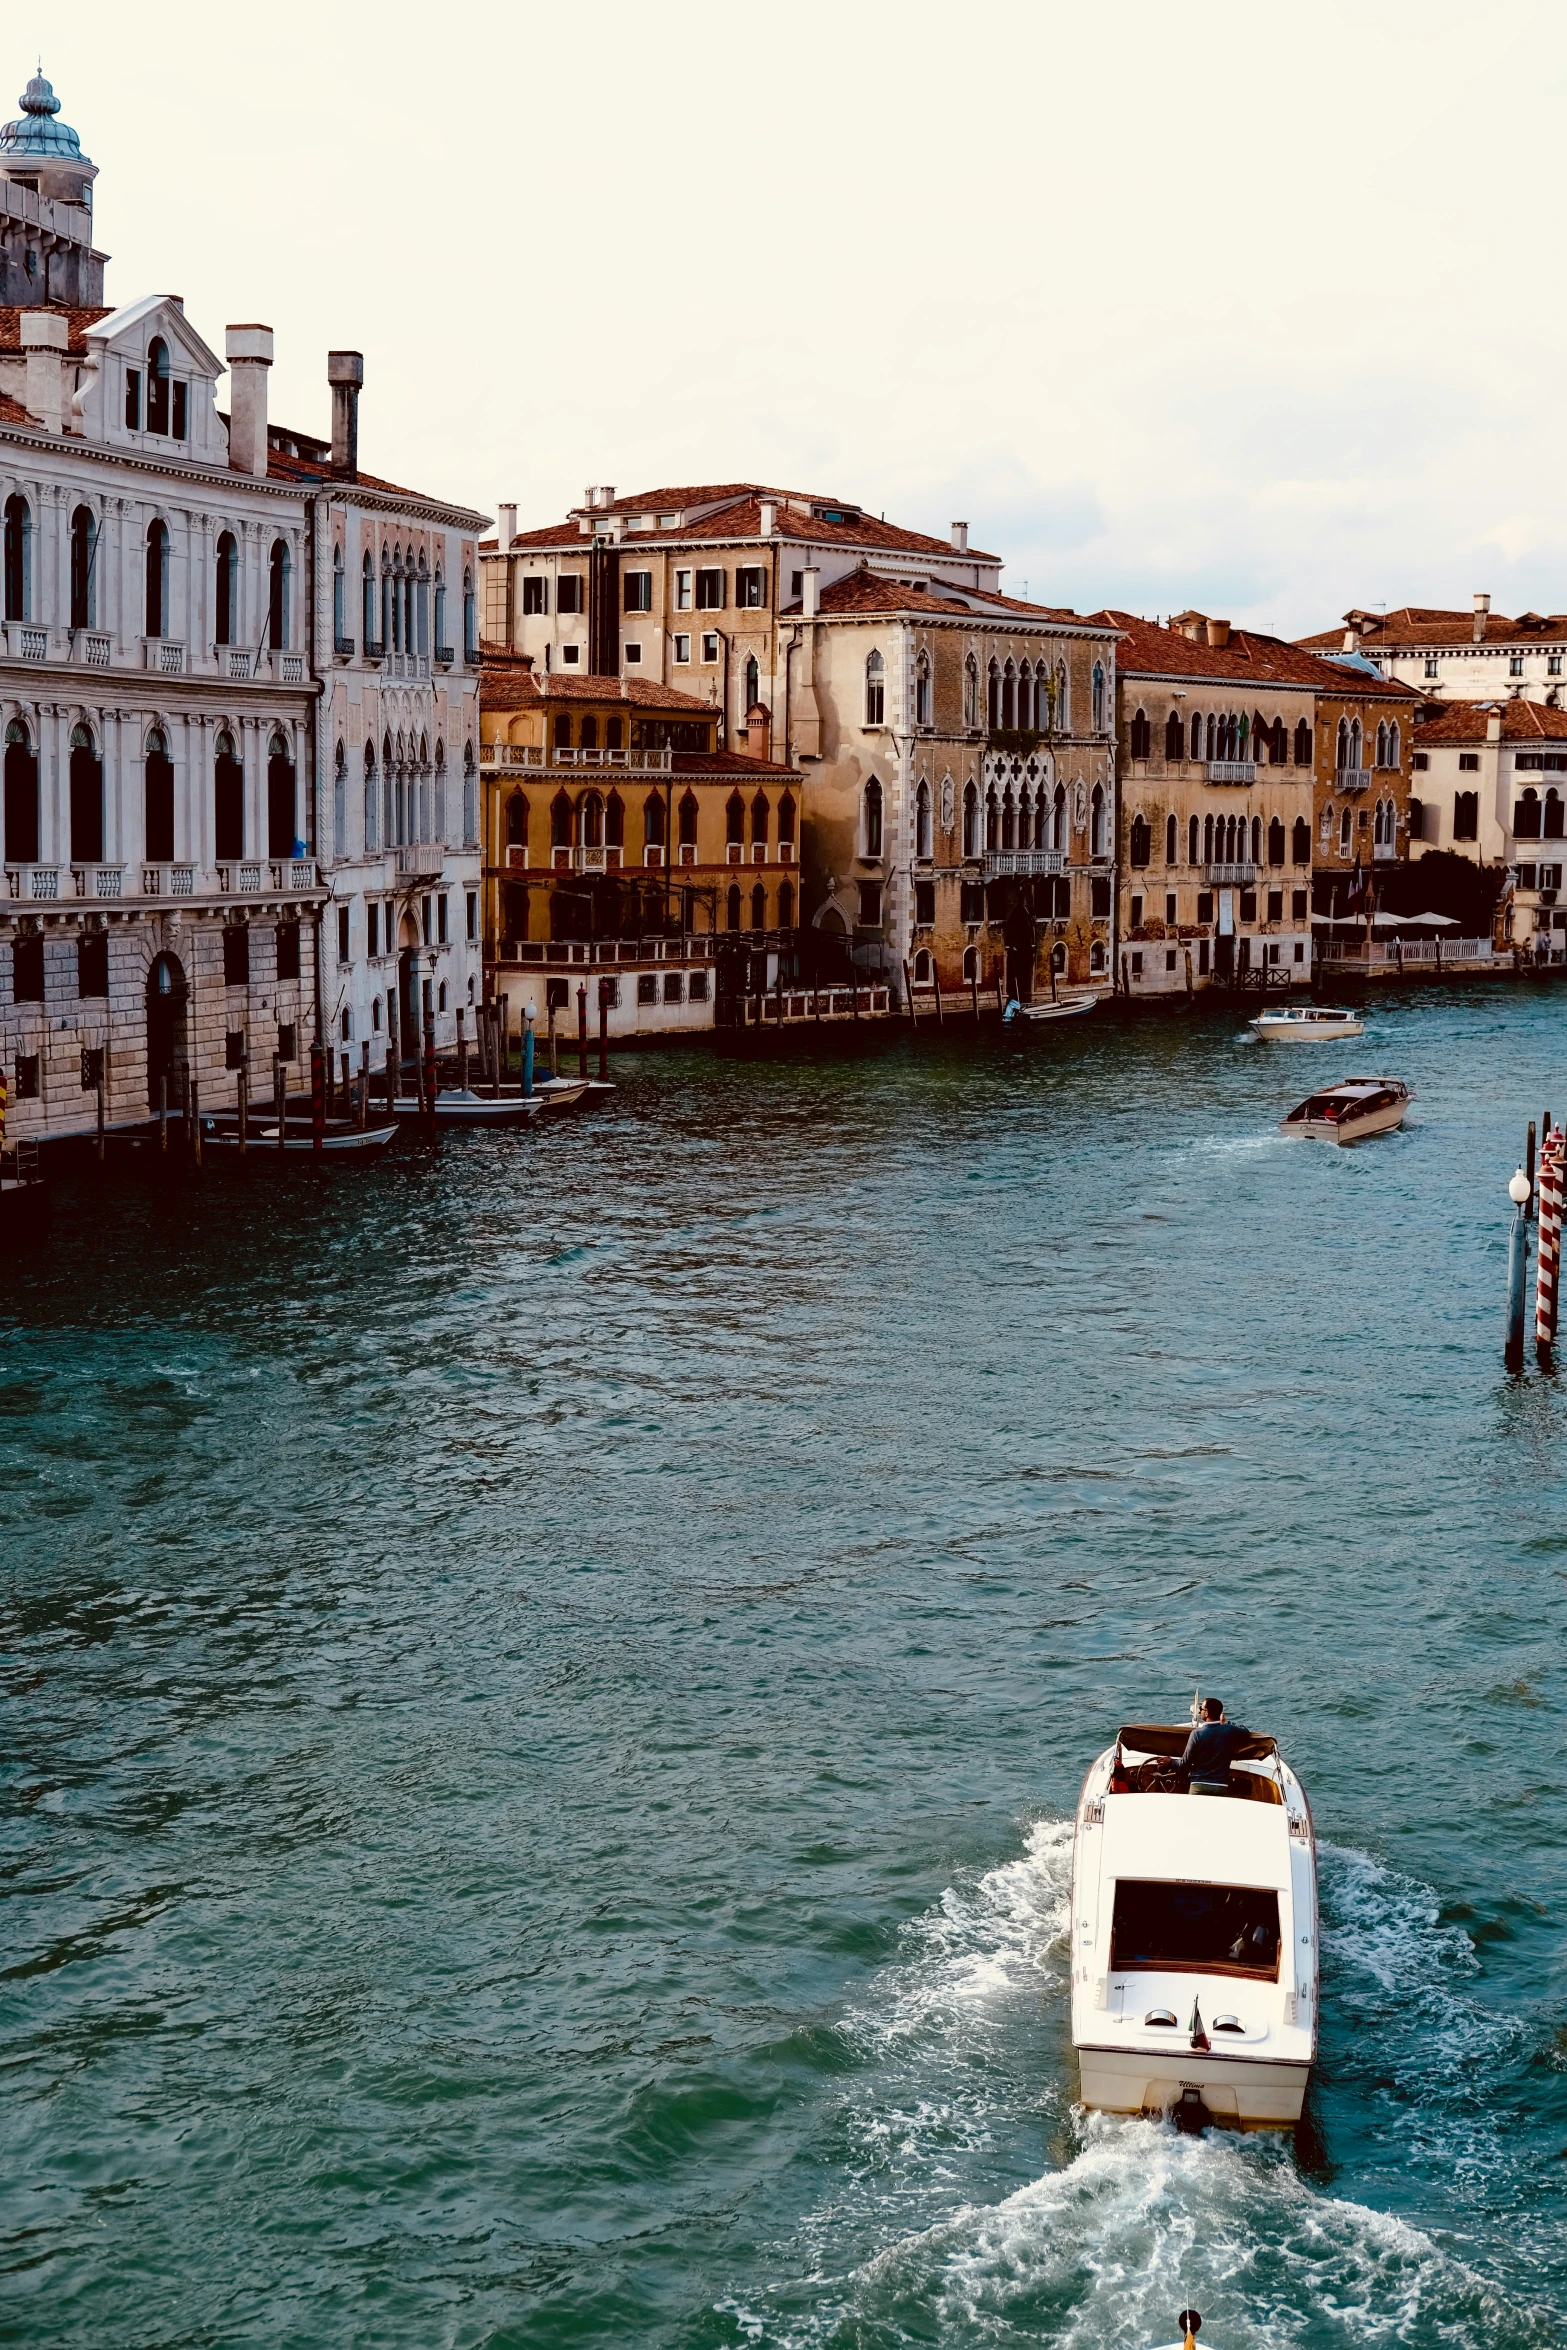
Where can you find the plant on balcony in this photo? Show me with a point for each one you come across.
(1018, 741)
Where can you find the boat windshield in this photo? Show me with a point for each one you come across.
(1195, 1929)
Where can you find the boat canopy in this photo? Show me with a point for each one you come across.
(1163, 1738)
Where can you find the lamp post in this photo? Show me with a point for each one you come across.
(1518, 1191)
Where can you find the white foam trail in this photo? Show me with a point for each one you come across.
(1100, 2253)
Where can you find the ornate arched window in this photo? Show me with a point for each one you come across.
(370, 631)
(279, 577)
(1276, 841)
(281, 826)
(1008, 818)
(922, 703)
(340, 802)
(440, 789)
(653, 820)
(687, 813)
(470, 619)
(1008, 696)
(370, 798)
(970, 821)
(1099, 698)
(1174, 736)
(734, 820)
(1098, 842)
(86, 798)
(21, 796)
(1141, 844)
(992, 820)
(922, 819)
(993, 695)
(157, 596)
(1141, 736)
(1300, 842)
(517, 821)
(970, 691)
(1393, 743)
(1193, 841)
(1172, 840)
(1025, 697)
(786, 820)
(560, 821)
(875, 689)
(873, 818)
(84, 548)
(753, 683)
(760, 812)
(758, 908)
(614, 821)
(590, 821)
(1058, 818)
(732, 906)
(158, 385)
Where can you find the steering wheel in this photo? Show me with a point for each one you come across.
(1161, 1776)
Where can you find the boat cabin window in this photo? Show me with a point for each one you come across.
(1195, 1929)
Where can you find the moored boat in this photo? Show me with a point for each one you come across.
(1307, 1024)
(1063, 1008)
(456, 1107)
(1351, 1110)
(340, 1137)
(1194, 1935)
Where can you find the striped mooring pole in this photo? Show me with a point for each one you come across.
(1547, 1279)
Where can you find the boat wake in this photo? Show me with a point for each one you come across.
(931, 2225)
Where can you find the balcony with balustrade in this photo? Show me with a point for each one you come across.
(1232, 770)
(505, 756)
(1240, 875)
(1023, 862)
(1348, 780)
(421, 860)
(136, 887)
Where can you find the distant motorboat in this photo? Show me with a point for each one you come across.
(1307, 1024)
(1194, 1936)
(1351, 1110)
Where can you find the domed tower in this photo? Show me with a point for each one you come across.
(46, 182)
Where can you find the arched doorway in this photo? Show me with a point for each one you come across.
(410, 1016)
(167, 998)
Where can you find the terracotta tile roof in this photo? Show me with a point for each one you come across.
(716, 764)
(865, 591)
(1414, 625)
(1147, 650)
(80, 321)
(511, 685)
(742, 519)
(1465, 722)
(12, 411)
(282, 467)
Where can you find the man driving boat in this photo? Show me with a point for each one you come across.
(1210, 1750)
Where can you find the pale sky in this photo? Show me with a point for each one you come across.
(1248, 308)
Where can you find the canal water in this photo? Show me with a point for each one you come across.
(547, 1683)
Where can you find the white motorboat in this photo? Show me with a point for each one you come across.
(1307, 1024)
(1194, 1937)
(456, 1107)
(1066, 1007)
(1350, 1110)
(340, 1137)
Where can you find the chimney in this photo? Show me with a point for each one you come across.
(1218, 634)
(810, 580)
(758, 732)
(1493, 721)
(45, 335)
(1482, 607)
(508, 515)
(345, 372)
(248, 350)
(769, 518)
(960, 538)
(1351, 640)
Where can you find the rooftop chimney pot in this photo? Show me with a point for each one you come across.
(1218, 634)
(508, 515)
(769, 517)
(249, 353)
(960, 538)
(1482, 607)
(45, 337)
(810, 580)
(345, 372)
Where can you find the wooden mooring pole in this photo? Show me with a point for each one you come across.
(582, 1027)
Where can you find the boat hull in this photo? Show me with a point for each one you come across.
(261, 1141)
(1064, 1009)
(457, 1109)
(1306, 1031)
(1245, 2093)
(1342, 1130)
